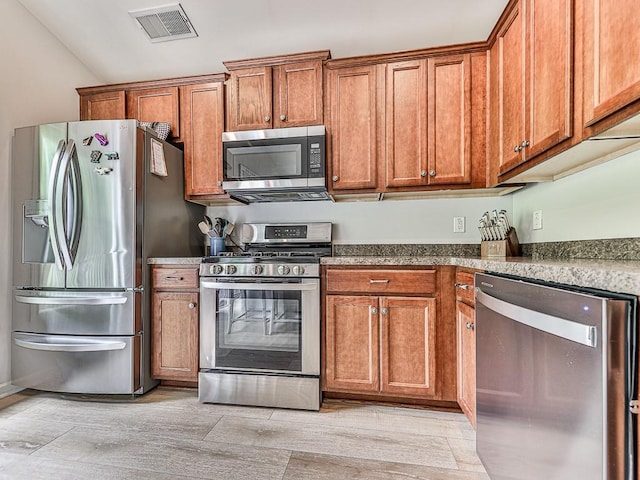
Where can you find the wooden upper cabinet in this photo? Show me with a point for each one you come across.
(508, 56)
(406, 123)
(353, 127)
(202, 124)
(298, 94)
(408, 363)
(611, 66)
(276, 92)
(532, 68)
(250, 102)
(549, 65)
(103, 106)
(156, 105)
(449, 120)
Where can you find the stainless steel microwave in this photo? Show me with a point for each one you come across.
(282, 164)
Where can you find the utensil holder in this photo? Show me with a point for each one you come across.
(217, 245)
(509, 247)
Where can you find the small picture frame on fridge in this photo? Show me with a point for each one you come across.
(158, 164)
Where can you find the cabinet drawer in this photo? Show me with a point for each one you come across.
(382, 281)
(175, 278)
(464, 287)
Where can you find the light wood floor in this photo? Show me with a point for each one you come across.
(168, 434)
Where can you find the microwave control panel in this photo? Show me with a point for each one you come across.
(316, 157)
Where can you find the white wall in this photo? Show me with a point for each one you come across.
(602, 202)
(390, 221)
(37, 85)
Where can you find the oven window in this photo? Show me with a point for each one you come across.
(259, 329)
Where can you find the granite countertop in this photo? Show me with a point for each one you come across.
(613, 275)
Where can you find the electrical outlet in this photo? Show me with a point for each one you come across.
(458, 224)
(537, 220)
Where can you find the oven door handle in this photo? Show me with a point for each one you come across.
(258, 286)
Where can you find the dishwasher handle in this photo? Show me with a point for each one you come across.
(573, 331)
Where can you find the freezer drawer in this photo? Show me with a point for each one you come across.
(72, 364)
(76, 313)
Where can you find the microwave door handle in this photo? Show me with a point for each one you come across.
(257, 286)
(54, 198)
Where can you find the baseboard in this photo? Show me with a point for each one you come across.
(7, 389)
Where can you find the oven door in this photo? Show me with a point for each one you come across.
(260, 325)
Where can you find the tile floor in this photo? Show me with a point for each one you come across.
(168, 434)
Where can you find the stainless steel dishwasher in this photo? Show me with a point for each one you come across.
(555, 381)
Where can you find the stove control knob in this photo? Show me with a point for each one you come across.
(298, 270)
(216, 269)
(256, 269)
(231, 269)
(283, 270)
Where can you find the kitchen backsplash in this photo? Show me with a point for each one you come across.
(608, 249)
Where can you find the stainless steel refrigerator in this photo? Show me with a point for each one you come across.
(91, 202)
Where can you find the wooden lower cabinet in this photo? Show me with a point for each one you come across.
(466, 360)
(466, 344)
(381, 345)
(175, 324)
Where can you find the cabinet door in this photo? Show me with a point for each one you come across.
(408, 346)
(406, 124)
(175, 336)
(449, 120)
(549, 66)
(509, 75)
(353, 128)
(103, 106)
(298, 94)
(155, 105)
(249, 101)
(466, 361)
(611, 66)
(352, 344)
(202, 117)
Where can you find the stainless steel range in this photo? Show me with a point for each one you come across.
(260, 318)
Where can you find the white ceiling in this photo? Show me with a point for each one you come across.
(102, 35)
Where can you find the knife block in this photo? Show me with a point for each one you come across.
(509, 247)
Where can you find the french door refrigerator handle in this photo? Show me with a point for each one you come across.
(64, 209)
(53, 199)
(75, 193)
(576, 332)
(44, 300)
(71, 346)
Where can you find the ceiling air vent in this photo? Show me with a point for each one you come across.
(162, 24)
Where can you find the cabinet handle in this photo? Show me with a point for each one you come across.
(517, 148)
(193, 305)
(469, 326)
(374, 310)
(219, 183)
(524, 144)
(334, 178)
(423, 173)
(463, 286)
(174, 278)
(384, 311)
(378, 281)
(267, 118)
(432, 173)
(283, 117)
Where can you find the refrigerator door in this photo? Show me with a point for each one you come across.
(101, 229)
(77, 313)
(37, 157)
(74, 364)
